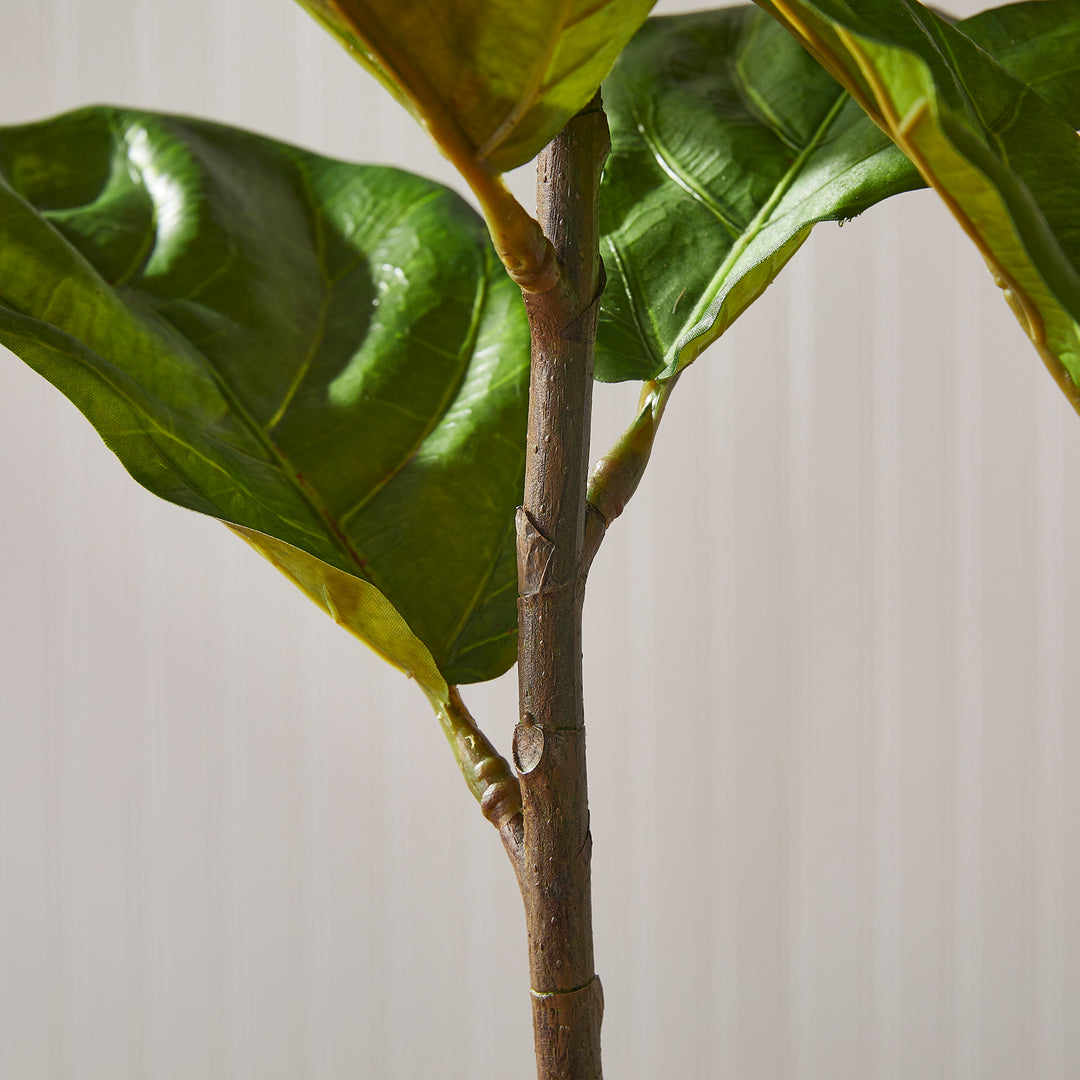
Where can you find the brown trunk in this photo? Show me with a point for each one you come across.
(549, 742)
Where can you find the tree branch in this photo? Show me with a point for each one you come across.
(486, 772)
(549, 742)
(615, 477)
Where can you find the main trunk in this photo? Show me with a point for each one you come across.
(549, 741)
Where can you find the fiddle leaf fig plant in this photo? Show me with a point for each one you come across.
(388, 395)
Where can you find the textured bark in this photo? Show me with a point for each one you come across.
(553, 862)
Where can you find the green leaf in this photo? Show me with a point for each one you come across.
(1003, 159)
(1038, 43)
(729, 143)
(356, 605)
(492, 80)
(324, 353)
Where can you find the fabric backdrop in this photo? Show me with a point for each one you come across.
(832, 737)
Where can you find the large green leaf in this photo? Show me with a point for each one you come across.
(491, 80)
(729, 142)
(327, 354)
(1005, 161)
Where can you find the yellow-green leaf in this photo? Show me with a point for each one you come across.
(1004, 160)
(495, 80)
(356, 605)
(492, 82)
(729, 142)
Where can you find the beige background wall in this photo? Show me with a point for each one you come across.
(833, 728)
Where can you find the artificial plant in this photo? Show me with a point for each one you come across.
(349, 390)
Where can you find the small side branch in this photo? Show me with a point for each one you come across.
(616, 475)
(486, 772)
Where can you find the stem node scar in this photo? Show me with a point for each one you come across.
(528, 745)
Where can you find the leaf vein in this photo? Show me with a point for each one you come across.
(689, 184)
(760, 218)
(453, 386)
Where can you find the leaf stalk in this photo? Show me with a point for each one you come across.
(486, 773)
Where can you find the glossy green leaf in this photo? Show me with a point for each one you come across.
(729, 142)
(324, 353)
(491, 80)
(1003, 159)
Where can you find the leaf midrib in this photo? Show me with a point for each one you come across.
(540, 67)
(464, 356)
(277, 457)
(756, 225)
(138, 306)
(309, 496)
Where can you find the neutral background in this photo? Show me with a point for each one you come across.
(832, 726)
